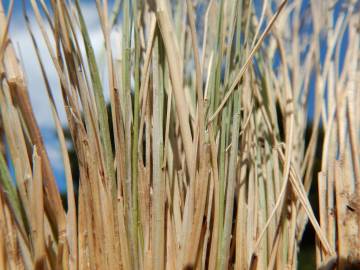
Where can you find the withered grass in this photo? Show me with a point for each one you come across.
(209, 106)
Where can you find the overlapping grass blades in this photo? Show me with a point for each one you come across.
(209, 167)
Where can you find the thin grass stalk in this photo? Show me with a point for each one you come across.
(136, 7)
(100, 104)
(181, 107)
(10, 190)
(126, 91)
(158, 210)
(230, 191)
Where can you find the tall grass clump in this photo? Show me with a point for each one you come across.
(201, 161)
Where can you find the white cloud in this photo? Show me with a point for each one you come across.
(55, 156)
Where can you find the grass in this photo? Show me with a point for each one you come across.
(206, 153)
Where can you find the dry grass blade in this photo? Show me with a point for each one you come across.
(247, 63)
(193, 141)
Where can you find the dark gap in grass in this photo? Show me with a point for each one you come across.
(307, 254)
(280, 118)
